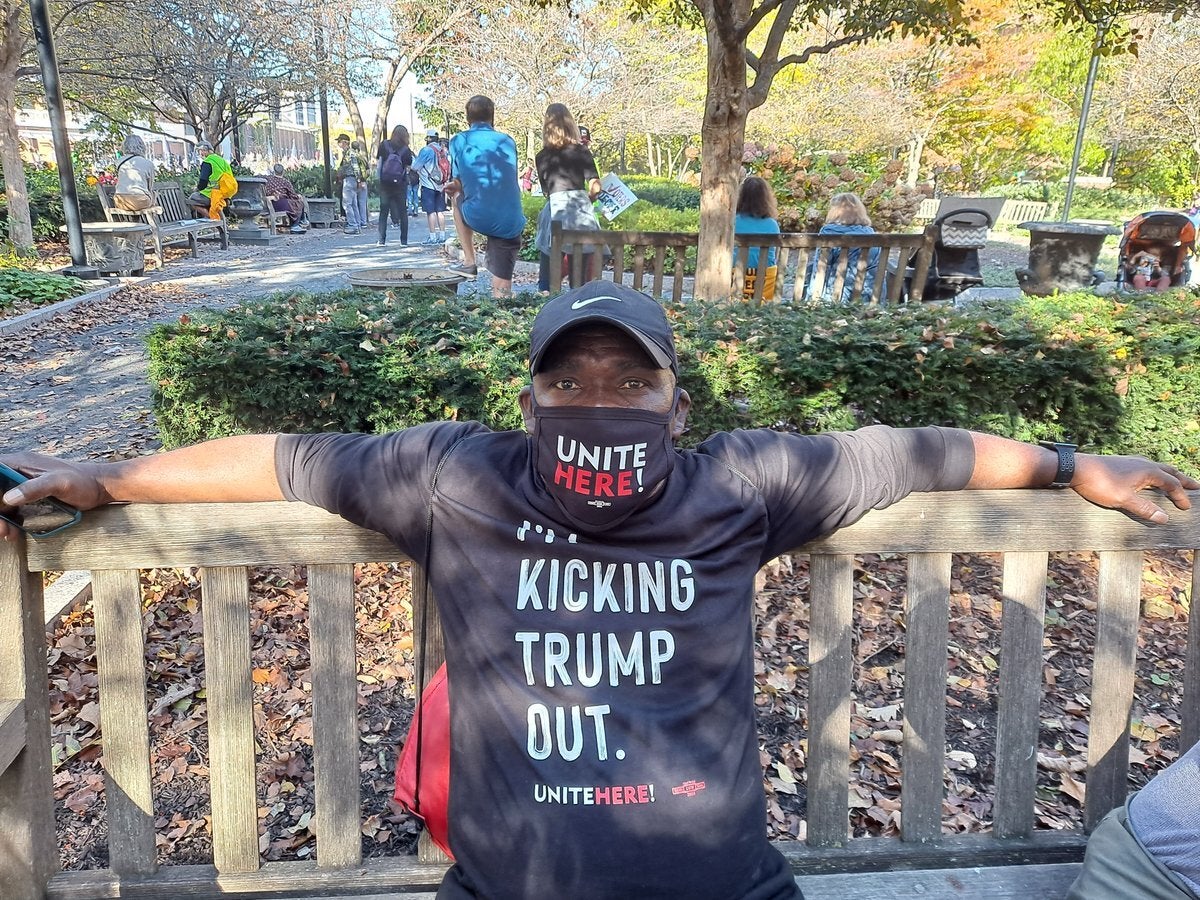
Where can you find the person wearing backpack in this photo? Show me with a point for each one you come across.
(395, 160)
(432, 177)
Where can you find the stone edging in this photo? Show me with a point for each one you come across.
(16, 323)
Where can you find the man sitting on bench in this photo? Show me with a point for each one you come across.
(283, 194)
(212, 167)
(596, 590)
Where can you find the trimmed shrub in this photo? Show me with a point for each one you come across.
(664, 191)
(1117, 378)
(38, 288)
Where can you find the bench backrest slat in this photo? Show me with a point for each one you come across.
(1113, 666)
(335, 714)
(1190, 732)
(927, 613)
(1022, 630)
(830, 662)
(121, 671)
(170, 198)
(227, 676)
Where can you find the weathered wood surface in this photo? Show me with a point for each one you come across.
(226, 537)
(28, 849)
(1046, 882)
(830, 662)
(124, 721)
(227, 679)
(238, 534)
(1113, 668)
(335, 715)
(1022, 630)
(923, 753)
(12, 731)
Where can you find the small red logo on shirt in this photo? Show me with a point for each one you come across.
(689, 788)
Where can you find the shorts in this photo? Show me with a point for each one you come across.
(502, 256)
(432, 201)
(1118, 867)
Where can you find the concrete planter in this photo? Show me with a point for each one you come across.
(115, 248)
(322, 211)
(440, 280)
(244, 210)
(1063, 256)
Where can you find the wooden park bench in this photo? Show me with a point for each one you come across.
(174, 223)
(1012, 860)
(658, 255)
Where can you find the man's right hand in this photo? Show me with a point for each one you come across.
(73, 483)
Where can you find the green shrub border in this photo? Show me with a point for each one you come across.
(1116, 376)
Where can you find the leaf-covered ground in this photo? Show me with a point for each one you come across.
(173, 616)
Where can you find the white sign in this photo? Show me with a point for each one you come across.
(615, 196)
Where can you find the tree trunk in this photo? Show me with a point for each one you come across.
(650, 162)
(20, 231)
(723, 133)
(916, 148)
(392, 75)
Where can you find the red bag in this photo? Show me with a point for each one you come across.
(432, 722)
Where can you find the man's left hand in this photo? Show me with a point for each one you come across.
(1114, 482)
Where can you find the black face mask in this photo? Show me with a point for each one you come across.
(601, 465)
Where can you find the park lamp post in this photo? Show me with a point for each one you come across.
(1102, 27)
(58, 132)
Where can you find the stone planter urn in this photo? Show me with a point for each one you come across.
(1063, 256)
(115, 248)
(442, 281)
(244, 209)
(322, 211)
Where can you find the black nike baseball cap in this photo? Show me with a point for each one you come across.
(635, 313)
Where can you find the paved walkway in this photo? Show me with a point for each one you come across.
(74, 384)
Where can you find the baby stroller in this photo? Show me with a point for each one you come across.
(1155, 250)
(955, 264)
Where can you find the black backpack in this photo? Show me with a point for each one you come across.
(393, 170)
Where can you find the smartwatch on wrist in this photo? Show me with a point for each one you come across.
(1066, 462)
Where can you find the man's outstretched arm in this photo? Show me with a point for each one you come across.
(1112, 482)
(233, 469)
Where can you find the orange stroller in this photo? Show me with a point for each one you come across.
(1155, 247)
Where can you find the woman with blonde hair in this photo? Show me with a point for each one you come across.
(757, 213)
(847, 215)
(566, 171)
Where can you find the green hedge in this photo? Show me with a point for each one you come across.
(1117, 377)
(20, 285)
(664, 191)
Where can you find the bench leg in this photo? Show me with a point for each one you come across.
(158, 249)
(192, 243)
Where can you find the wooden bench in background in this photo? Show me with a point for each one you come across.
(1013, 860)
(174, 223)
(655, 256)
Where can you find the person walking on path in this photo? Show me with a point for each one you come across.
(485, 187)
(596, 590)
(432, 178)
(567, 174)
(362, 196)
(395, 162)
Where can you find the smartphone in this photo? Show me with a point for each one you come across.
(38, 519)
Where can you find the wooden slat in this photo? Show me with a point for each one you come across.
(881, 267)
(556, 245)
(677, 280)
(618, 258)
(921, 269)
(12, 731)
(429, 652)
(226, 598)
(839, 274)
(156, 536)
(28, 851)
(800, 283)
(831, 614)
(121, 668)
(576, 264)
(927, 616)
(660, 261)
(1021, 635)
(639, 266)
(1190, 732)
(953, 851)
(335, 715)
(1050, 882)
(1112, 684)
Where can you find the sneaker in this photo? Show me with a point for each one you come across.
(379, 244)
(431, 241)
(296, 229)
(464, 269)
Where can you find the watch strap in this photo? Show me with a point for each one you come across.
(1066, 462)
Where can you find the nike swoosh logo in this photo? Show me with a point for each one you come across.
(580, 304)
